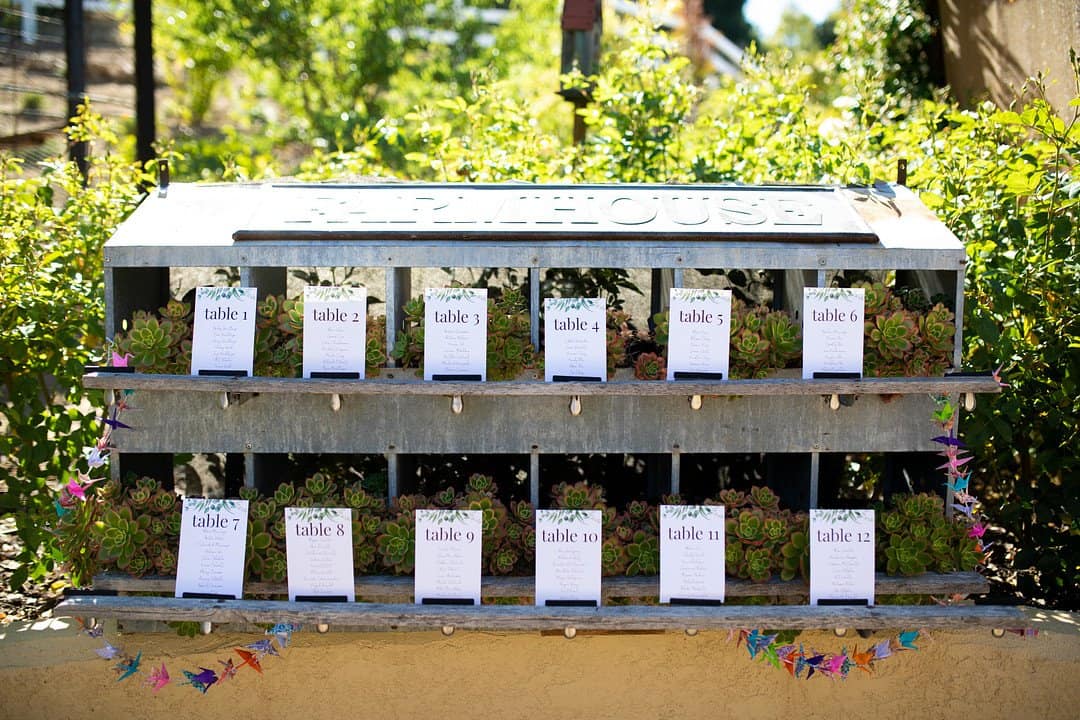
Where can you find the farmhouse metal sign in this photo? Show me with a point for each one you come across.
(802, 214)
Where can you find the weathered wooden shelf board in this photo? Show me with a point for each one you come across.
(401, 382)
(377, 616)
(400, 589)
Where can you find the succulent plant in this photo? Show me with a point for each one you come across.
(122, 536)
(795, 556)
(643, 552)
(613, 557)
(748, 526)
(758, 564)
(577, 496)
(906, 555)
(764, 498)
(893, 335)
(784, 339)
(397, 544)
(319, 488)
(649, 366)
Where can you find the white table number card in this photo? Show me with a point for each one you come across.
(832, 332)
(568, 557)
(335, 331)
(841, 556)
(692, 553)
(699, 334)
(575, 339)
(213, 539)
(319, 554)
(223, 339)
(455, 334)
(448, 556)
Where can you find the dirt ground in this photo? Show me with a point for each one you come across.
(48, 670)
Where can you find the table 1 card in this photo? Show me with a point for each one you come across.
(455, 334)
(832, 332)
(223, 340)
(699, 334)
(335, 331)
(575, 339)
(841, 556)
(692, 552)
(319, 553)
(448, 556)
(568, 556)
(213, 537)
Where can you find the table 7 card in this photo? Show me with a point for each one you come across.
(223, 339)
(335, 330)
(210, 557)
(455, 334)
(699, 332)
(841, 556)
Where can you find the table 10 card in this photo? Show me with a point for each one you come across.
(335, 331)
(692, 552)
(319, 550)
(213, 537)
(832, 331)
(699, 333)
(223, 339)
(568, 556)
(455, 334)
(448, 555)
(841, 556)
(575, 339)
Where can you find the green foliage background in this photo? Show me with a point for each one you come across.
(323, 90)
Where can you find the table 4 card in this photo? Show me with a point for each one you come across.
(575, 339)
(841, 557)
(223, 338)
(455, 334)
(210, 557)
(335, 331)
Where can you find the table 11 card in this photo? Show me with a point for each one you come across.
(319, 550)
(455, 334)
(213, 538)
(223, 339)
(335, 331)
(692, 552)
(699, 333)
(832, 331)
(568, 556)
(448, 556)
(575, 339)
(841, 556)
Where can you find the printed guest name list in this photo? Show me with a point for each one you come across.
(210, 557)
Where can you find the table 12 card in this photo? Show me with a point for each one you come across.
(455, 334)
(841, 556)
(568, 556)
(575, 339)
(692, 553)
(335, 331)
(448, 556)
(210, 558)
(223, 338)
(318, 543)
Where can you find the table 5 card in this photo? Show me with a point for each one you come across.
(692, 552)
(210, 558)
(455, 334)
(223, 338)
(319, 550)
(699, 330)
(841, 556)
(575, 339)
(335, 331)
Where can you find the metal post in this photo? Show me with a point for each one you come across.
(534, 478)
(75, 52)
(144, 81)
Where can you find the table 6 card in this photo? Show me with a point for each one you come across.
(319, 554)
(213, 538)
(223, 338)
(832, 332)
(692, 553)
(448, 557)
(699, 334)
(335, 331)
(841, 556)
(568, 557)
(575, 339)
(455, 334)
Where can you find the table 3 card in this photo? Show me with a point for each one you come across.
(455, 334)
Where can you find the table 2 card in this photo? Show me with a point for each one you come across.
(575, 339)
(841, 557)
(223, 339)
(335, 331)
(319, 550)
(568, 557)
(699, 331)
(692, 553)
(832, 332)
(455, 334)
(448, 557)
(210, 558)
